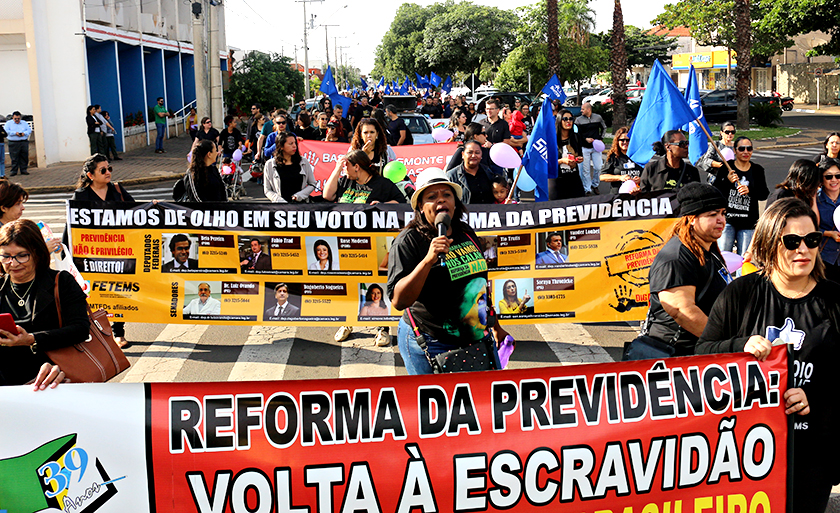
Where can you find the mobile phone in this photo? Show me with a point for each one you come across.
(7, 322)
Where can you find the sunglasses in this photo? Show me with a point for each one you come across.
(623, 139)
(792, 241)
(729, 132)
(831, 177)
(681, 144)
(567, 119)
(106, 170)
(744, 148)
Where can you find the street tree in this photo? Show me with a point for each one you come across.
(793, 17)
(397, 56)
(618, 67)
(267, 78)
(743, 47)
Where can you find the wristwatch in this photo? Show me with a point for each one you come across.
(34, 348)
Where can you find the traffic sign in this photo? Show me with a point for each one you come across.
(818, 72)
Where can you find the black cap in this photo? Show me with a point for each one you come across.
(696, 198)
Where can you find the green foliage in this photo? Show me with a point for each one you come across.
(264, 78)
(513, 73)
(605, 111)
(314, 85)
(399, 52)
(766, 114)
(643, 48)
(632, 110)
(574, 18)
(787, 18)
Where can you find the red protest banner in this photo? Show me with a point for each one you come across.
(323, 155)
(705, 433)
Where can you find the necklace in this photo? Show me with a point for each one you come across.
(22, 299)
(798, 294)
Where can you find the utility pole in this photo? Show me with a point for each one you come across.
(202, 100)
(327, 38)
(216, 107)
(306, 47)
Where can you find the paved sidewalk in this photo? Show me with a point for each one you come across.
(144, 165)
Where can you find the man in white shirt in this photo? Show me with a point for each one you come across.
(203, 304)
(18, 135)
(283, 308)
(552, 253)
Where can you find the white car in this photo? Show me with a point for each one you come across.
(596, 99)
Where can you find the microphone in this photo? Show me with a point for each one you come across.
(442, 221)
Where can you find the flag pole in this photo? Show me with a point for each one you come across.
(513, 187)
(712, 143)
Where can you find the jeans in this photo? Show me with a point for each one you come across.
(590, 169)
(19, 153)
(413, 355)
(731, 236)
(161, 132)
(2, 160)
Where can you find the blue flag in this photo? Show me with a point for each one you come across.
(663, 108)
(381, 83)
(424, 82)
(554, 90)
(434, 80)
(540, 159)
(346, 85)
(403, 90)
(328, 84)
(364, 84)
(698, 143)
(387, 88)
(447, 86)
(340, 99)
(396, 85)
(419, 80)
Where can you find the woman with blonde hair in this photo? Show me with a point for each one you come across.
(510, 303)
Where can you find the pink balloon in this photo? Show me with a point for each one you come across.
(733, 261)
(504, 156)
(728, 154)
(237, 156)
(441, 134)
(506, 350)
(627, 187)
(598, 145)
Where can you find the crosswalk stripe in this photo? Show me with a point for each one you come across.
(361, 358)
(163, 359)
(810, 152)
(584, 349)
(772, 154)
(264, 354)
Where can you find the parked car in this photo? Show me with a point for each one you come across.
(598, 97)
(722, 105)
(310, 104)
(634, 94)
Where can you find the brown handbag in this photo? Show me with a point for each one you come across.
(95, 360)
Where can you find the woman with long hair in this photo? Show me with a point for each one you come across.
(363, 182)
(202, 180)
(450, 310)
(619, 168)
(458, 125)
(323, 257)
(206, 132)
(744, 187)
(568, 183)
(828, 200)
(369, 137)
(510, 303)
(191, 123)
(12, 198)
(790, 300)
(831, 148)
(375, 305)
(288, 176)
(94, 130)
(802, 182)
(335, 131)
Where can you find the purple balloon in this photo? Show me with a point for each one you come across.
(728, 154)
(504, 156)
(505, 350)
(189, 157)
(237, 155)
(598, 145)
(733, 261)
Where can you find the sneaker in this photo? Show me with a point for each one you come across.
(383, 338)
(24, 172)
(595, 190)
(343, 333)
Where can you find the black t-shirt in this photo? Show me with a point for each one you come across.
(568, 183)
(212, 135)
(309, 133)
(742, 211)
(676, 266)
(753, 306)
(230, 140)
(452, 303)
(290, 180)
(394, 128)
(620, 165)
(362, 111)
(377, 189)
(496, 132)
(778, 194)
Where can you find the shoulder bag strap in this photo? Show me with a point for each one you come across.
(682, 173)
(119, 191)
(57, 301)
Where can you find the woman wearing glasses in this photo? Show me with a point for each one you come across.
(28, 292)
(828, 199)
(743, 188)
(711, 162)
(619, 168)
(789, 300)
(95, 185)
(206, 132)
(568, 183)
(668, 169)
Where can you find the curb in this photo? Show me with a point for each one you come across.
(70, 188)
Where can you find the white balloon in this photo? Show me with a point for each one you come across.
(627, 187)
(728, 154)
(441, 134)
(836, 218)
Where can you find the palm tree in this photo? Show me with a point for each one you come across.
(551, 31)
(577, 20)
(618, 65)
(743, 46)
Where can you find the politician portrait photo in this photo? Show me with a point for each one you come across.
(279, 298)
(199, 300)
(373, 302)
(554, 250)
(180, 249)
(254, 254)
(323, 254)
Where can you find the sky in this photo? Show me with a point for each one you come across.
(272, 26)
